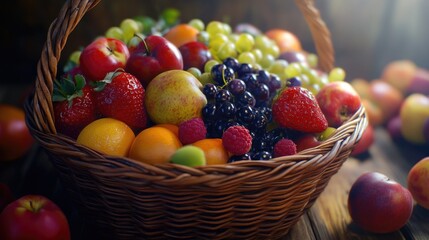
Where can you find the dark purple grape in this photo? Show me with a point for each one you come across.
(261, 93)
(267, 112)
(223, 95)
(209, 112)
(274, 84)
(245, 114)
(262, 155)
(245, 99)
(263, 76)
(244, 69)
(226, 110)
(220, 126)
(236, 158)
(250, 80)
(237, 86)
(222, 74)
(260, 144)
(294, 82)
(260, 120)
(210, 91)
(231, 63)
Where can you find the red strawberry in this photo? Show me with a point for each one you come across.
(74, 105)
(296, 108)
(121, 96)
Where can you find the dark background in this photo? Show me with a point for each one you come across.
(366, 34)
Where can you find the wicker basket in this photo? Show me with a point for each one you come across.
(133, 200)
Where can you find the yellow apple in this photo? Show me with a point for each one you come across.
(414, 112)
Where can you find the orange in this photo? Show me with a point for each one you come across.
(154, 145)
(171, 127)
(181, 34)
(214, 150)
(108, 136)
(286, 40)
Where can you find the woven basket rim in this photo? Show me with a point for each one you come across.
(40, 110)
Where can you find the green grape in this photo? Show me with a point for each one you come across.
(313, 76)
(226, 50)
(266, 60)
(267, 45)
(337, 75)
(115, 32)
(170, 16)
(213, 52)
(203, 37)
(206, 78)
(147, 24)
(74, 57)
(305, 81)
(312, 60)
(215, 27)
(314, 88)
(233, 37)
(227, 28)
(129, 27)
(197, 24)
(194, 71)
(245, 42)
(209, 64)
(293, 70)
(246, 57)
(278, 67)
(217, 40)
(257, 53)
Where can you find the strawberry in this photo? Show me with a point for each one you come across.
(121, 96)
(74, 105)
(296, 108)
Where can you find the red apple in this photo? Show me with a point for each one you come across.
(388, 98)
(15, 137)
(418, 182)
(378, 204)
(338, 102)
(306, 141)
(102, 56)
(373, 112)
(153, 55)
(365, 142)
(195, 54)
(399, 74)
(33, 217)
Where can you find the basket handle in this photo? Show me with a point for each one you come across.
(70, 15)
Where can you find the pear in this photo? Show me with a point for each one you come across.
(174, 96)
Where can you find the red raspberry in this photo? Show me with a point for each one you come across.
(192, 130)
(237, 140)
(284, 147)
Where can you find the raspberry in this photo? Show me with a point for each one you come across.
(192, 130)
(237, 140)
(284, 147)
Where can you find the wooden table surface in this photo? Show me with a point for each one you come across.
(327, 219)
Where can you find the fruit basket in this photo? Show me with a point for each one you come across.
(131, 199)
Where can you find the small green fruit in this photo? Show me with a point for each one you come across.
(190, 156)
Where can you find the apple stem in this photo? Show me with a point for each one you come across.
(146, 47)
(33, 209)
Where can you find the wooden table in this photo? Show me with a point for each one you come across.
(327, 219)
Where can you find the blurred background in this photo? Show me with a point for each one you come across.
(366, 34)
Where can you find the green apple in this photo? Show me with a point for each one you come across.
(174, 96)
(414, 112)
(190, 156)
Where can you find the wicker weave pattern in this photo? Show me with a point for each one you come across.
(246, 200)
